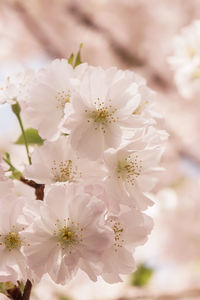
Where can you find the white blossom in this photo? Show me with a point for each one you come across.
(68, 234)
(48, 95)
(57, 162)
(130, 229)
(106, 110)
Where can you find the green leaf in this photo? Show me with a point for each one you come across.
(15, 174)
(32, 137)
(78, 60)
(21, 286)
(142, 276)
(71, 59)
(62, 297)
(75, 61)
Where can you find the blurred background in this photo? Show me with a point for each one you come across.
(136, 35)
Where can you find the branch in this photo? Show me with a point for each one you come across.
(27, 290)
(16, 294)
(39, 188)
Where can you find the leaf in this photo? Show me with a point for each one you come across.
(62, 297)
(142, 276)
(32, 137)
(75, 61)
(71, 59)
(78, 57)
(21, 286)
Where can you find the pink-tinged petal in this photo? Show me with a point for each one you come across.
(88, 141)
(112, 136)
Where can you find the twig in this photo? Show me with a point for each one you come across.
(39, 188)
(27, 290)
(16, 294)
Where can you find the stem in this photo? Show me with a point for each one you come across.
(25, 140)
(16, 109)
(16, 174)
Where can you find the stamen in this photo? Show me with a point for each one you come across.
(12, 240)
(118, 232)
(64, 171)
(103, 115)
(140, 108)
(129, 169)
(68, 234)
(62, 98)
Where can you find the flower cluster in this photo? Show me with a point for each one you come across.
(97, 164)
(186, 60)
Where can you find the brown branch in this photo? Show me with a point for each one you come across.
(16, 294)
(27, 290)
(39, 188)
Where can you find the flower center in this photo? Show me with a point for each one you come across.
(68, 234)
(102, 115)
(62, 98)
(118, 232)
(64, 171)
(129, 169)
(12, 240)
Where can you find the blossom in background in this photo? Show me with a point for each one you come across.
(185, 61)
